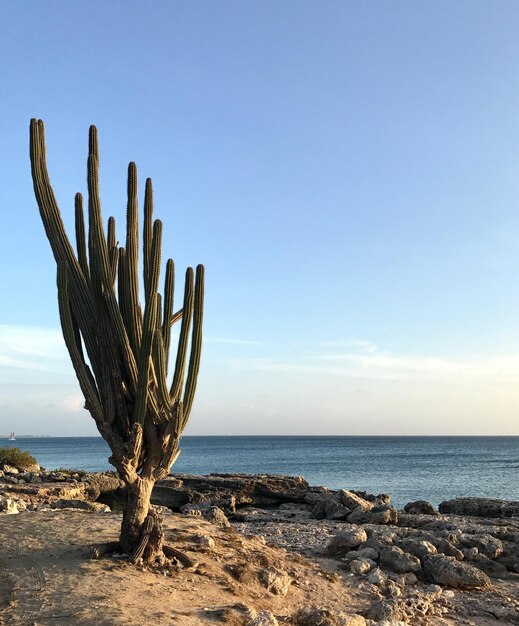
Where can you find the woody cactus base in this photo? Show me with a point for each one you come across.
(119, 351)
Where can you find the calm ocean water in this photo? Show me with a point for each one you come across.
(409, 468)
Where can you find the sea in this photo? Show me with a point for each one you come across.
(408, 468)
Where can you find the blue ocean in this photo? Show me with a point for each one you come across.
(408, 468)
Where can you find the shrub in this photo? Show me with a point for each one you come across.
(21, 459)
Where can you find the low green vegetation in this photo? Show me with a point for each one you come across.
(69, 470)
(21, 459)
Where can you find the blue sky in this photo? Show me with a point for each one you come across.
(348, 173)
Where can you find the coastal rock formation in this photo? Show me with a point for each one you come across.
(420, 507)
(409, 564)
(43, 488)
(231, 492)
(480, 507)
(446, 570)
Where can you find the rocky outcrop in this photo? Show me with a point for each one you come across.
(36, 489)
(480, 507)
(233, 492)
(446, 570)
(420, 507)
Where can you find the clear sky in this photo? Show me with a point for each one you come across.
(347, 171)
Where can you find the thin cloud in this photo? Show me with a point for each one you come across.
(355, 344)
(32, 348)
(390, 367)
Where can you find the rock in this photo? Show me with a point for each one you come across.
(420, 507)
(216, 516)
(242, 572)
(491, 568)
(187, 510)
(399, 561)
(263, 618)
(205, 541)
(352, 501)
(417, 547)
(485, 543)
(343, 619)
(362, 566)
(407, 579)
(21, 505)
(318, 510)
(9, 469)
(327, 506)
(276, 581)
(510, 561)
(319, 616)
(376, 515)
(377, 577)
(220, 489)
(334, 510)
(8, 506)
(364, 553)
(446, 570)
(480, 507)
(97, 507)
(342, 543)
(98, 484)
(446, 547)
(390, 610)
(379, 540)
(470, 554)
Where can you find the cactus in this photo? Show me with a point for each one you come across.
(119, 349)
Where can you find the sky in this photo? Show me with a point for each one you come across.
(348, 172)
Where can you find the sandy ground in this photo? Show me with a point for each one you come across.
(46, 576)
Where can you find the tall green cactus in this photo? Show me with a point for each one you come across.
(123, 375)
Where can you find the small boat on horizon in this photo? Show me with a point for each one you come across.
(12, 437)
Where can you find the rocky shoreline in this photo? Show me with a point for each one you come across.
(415, 564)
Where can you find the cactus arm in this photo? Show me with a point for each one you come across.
(176, 317)
(83, 373)
(99, 263)
(113, 250)
(147, 228)
(80, 295)
(160, 369)
(80, 235)
(196, 345)
(132, 259)
(178, 376)
(169, 289)
(149, 324)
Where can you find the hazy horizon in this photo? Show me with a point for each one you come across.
(348, 174)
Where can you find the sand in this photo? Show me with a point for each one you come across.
(47, 577)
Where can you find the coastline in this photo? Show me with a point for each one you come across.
(409, 468)
(347, 546)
